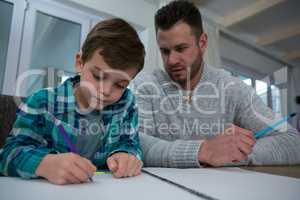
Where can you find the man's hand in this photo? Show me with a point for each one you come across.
(234, 145)
(124, 165)
(66, 168)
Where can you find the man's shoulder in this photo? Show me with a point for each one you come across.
(149, 81)
(214, 74)
(232, 87)
(151, 75)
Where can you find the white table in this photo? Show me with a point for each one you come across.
(223, 184)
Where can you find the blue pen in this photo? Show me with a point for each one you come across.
(270, 128)
(63, 132)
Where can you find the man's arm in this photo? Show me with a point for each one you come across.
(281, 146)
(159, 152)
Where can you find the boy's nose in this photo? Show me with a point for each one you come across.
(106, 88)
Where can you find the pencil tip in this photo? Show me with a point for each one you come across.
(293, 114)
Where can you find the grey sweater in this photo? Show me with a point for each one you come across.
(172, 127)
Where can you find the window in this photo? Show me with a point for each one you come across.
(269, 95)
(39, 39)
(246, 80)
(38, 35)
(6, 11)
(55, 44)
(276, 104)
(261, 89)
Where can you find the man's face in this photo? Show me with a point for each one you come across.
(101, 85)
(181, 51)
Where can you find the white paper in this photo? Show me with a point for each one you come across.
(223, 184)
(234, 183)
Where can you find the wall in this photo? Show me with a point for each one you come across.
(247, 57)
(137, 12)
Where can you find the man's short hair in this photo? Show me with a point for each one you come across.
(176, 11)
(117, 42)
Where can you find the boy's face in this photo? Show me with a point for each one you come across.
(101, 85)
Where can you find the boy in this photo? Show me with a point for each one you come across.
(63, 134)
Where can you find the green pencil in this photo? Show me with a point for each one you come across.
(102, 172)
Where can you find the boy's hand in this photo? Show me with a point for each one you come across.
(124, 165)
(66, 168)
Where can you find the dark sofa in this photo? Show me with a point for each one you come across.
(8, 107)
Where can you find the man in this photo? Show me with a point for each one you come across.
(194, 115)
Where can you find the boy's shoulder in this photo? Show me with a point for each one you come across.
(47, 96)
(39, 98)
(127, 97)
(126, 102)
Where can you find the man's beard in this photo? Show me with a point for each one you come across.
(192, 71)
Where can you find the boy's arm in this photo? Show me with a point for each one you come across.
(125, 160)
(128, 129)
(26, 146)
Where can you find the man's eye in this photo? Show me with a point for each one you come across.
(165, 51)
(180, 49)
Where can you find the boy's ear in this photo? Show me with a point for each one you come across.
(78, 63)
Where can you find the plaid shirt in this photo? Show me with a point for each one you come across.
(36, 131)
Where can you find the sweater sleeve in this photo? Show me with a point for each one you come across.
(280, 146)
(159, 152)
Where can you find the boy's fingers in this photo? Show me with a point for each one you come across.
(79, 173)
(87, 166)
(122, 166)
(112, 164)
(90, 165)
(70, 178)
(138, 168)
(131, 164)
(82, 165)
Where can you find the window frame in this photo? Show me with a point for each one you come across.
(53, 9)
(13, 50)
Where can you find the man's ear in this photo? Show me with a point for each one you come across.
(78, 62)
(203, 41)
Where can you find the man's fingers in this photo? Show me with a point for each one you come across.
(246, 140)
(244, 148)
(239, 156)
(244, 132)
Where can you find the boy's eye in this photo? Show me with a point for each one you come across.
(121, 86)
(96, 77)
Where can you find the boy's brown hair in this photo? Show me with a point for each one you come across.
(117, 42)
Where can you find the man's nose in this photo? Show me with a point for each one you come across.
(173, 58)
